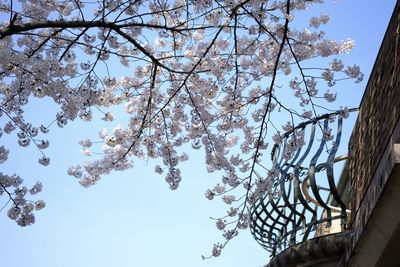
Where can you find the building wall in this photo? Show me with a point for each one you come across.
(376, 130)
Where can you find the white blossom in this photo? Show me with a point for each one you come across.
(210, 194)
(43, 144)
(228, 199)
(217, 250)
(160, 42)
(330, 97)
(232, 211)
(336, 65)
(36, 188)
(86, 152)
(344, 112)
(355, 73)
(3, 154)
(220, 224)
(158, 169)
(13, 213)
(85, 142)
(327, 134)
(108, 117)
(40, 204)
(44, 161)
(229, 234)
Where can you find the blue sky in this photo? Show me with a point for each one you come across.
(132, 218)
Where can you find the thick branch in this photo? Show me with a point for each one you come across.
(15, 29)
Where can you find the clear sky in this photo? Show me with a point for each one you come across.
(132, 218)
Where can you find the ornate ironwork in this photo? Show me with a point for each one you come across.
(304, 200)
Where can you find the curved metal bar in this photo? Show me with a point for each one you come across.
(329, 170)
(275, 208)
(269, 216)
(316, 119)
(297, 191)
(285, 196)
(279, 222)
(311, 174)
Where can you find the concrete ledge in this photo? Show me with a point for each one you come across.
(321, 251)
(379, 244)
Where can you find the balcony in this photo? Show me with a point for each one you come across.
(308, 201)
(312, 217)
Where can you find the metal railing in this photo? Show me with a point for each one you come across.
(304, 201)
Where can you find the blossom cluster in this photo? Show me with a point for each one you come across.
(188, 74)
(21, 209)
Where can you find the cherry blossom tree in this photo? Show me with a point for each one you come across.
(209, 74)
